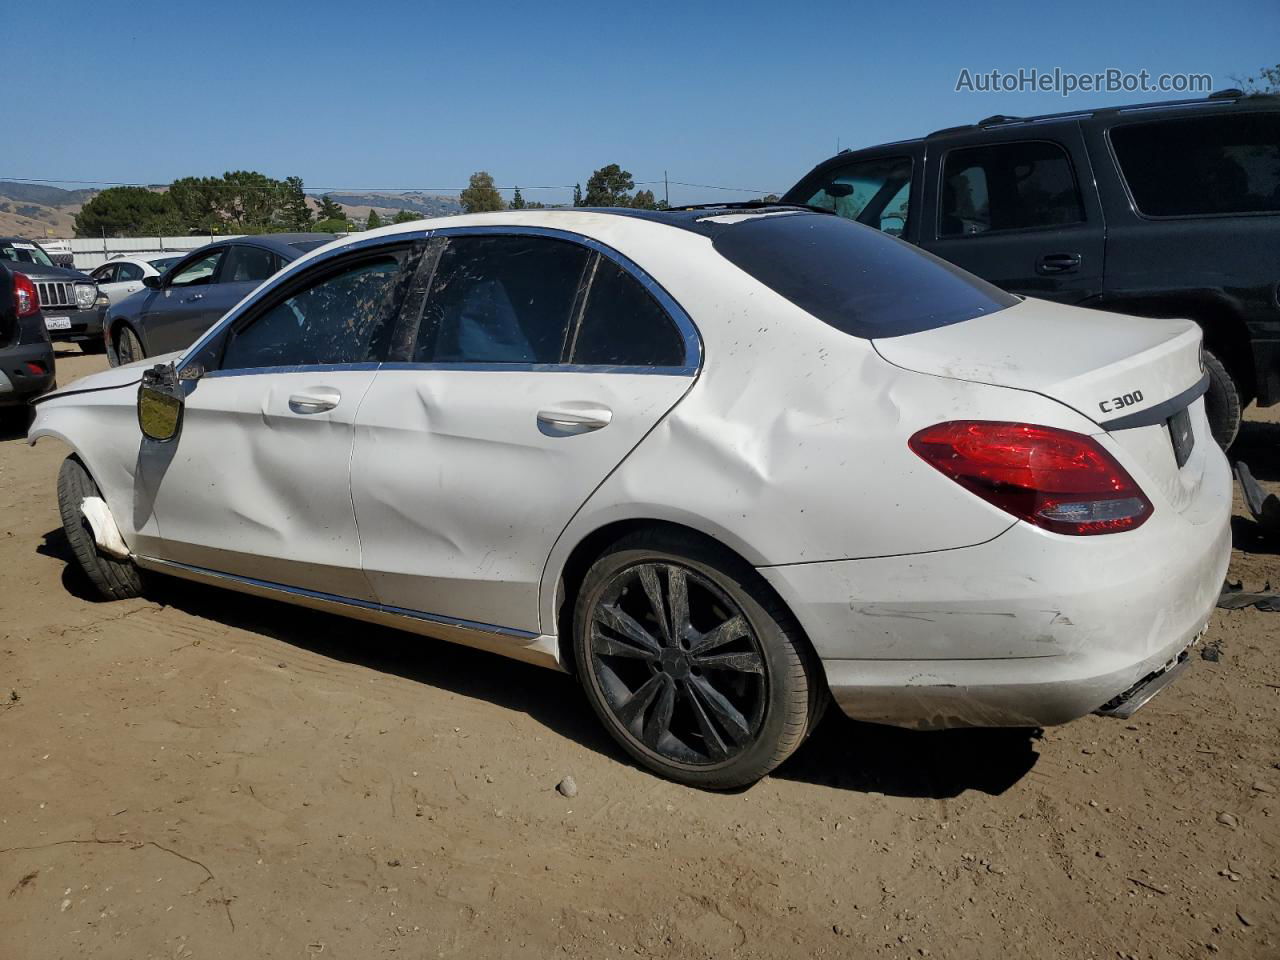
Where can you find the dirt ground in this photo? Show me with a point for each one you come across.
(201, 774)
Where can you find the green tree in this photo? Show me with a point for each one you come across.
(609, 186)
(1266, 80)
(295, 214)
(770, 198)
(406, 216)
(517, 200)
(577, 194)
(643, 200)
(129, 212)
(330, 209)
(248, 201)
(481, 195)
(333, 225)
(197, 202)
(373, 221)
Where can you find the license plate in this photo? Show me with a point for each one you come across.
(57, 323)
(1182, 436)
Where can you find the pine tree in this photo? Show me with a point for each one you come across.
(577, 194)
(517, 200)
(481, 195)
(373, 221)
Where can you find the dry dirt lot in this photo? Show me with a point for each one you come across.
(200, 774)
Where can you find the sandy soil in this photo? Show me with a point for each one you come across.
(205, 775)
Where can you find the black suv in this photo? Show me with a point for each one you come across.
(73, 308)
(26, 356)
(1161, 210)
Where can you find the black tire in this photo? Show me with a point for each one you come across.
(128, 346)
(114, 579)
(718, 719)
(1222, 404)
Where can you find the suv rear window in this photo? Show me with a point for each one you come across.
(855, 278)
(1202, 165)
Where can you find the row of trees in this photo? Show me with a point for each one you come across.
(610, 186)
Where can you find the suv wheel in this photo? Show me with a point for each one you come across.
(691, 662)
(1222, 403)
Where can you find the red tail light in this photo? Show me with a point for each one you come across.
(25, 299)
(1059, 480)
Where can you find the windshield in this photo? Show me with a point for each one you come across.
(856, 278)
(20, 251)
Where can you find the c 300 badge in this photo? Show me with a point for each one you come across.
(1119, 403)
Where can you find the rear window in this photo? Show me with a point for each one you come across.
(857, 279)
(1202, 165)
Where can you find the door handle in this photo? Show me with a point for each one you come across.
(1058, 263)
(193, 297)
(571, 419)
(314, 401)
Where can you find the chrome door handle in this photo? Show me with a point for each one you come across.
(573, 419)
(194, 296)
(315, 401)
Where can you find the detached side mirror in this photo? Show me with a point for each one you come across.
(151, 282)
(160, 403)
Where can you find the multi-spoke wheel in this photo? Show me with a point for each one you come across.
(691, 662)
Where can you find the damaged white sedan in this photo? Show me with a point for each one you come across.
(723, 464)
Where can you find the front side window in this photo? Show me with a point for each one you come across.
(500, 299)
(622, 325)
(198, 272)
(249, 264)
(1202, 165)
(105, 273)
(1008, 186)
(342, 317)
(875, 192)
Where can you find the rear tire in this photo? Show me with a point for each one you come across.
(684, 701)
(1222, 404)
(128, 346)
(113, 579)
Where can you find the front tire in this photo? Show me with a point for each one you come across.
(692, 663)
(128, 346)
(113, 579)
(1222, 403)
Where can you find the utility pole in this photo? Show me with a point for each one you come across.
(666, 190)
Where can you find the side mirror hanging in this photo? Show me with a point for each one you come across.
(160, 403)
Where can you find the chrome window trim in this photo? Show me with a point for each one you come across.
(684, 323)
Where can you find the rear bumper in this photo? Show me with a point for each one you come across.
(1028, 629)
(19, 382)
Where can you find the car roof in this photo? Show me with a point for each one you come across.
(283, 243)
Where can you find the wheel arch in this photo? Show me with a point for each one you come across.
(562, 580)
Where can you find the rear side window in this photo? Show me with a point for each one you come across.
(248, 264)
(129, 272)
(500, 299)
(341, 318)
(855, 278)
(1202, 165)
(623, 325)
(1007, 186)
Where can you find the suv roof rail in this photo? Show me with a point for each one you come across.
(998, 118)
(1230, 93)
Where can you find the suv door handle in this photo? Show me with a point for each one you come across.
(1058, 263)
(571, 419)
(314, 401)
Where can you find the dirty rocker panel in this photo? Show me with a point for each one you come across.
(508, 641)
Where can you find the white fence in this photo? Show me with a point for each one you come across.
(90, 252)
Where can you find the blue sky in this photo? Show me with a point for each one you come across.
(745, 94)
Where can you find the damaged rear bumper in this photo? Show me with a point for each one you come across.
(1028, 629)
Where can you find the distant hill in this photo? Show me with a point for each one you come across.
(36, 210)
(427, 204)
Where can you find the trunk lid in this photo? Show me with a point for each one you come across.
(1135, 377)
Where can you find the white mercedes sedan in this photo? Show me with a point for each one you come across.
(723, 464)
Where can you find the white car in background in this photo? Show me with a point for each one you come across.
(122, 277)
(723, 464)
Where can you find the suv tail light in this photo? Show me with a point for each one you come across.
(1059, 480)
(25, 299)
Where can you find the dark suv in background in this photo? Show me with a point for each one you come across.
(72, 305)
(26, 356)
(1161, 210)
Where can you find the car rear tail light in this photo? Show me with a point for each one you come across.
(25, 299)
(1061, 481)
